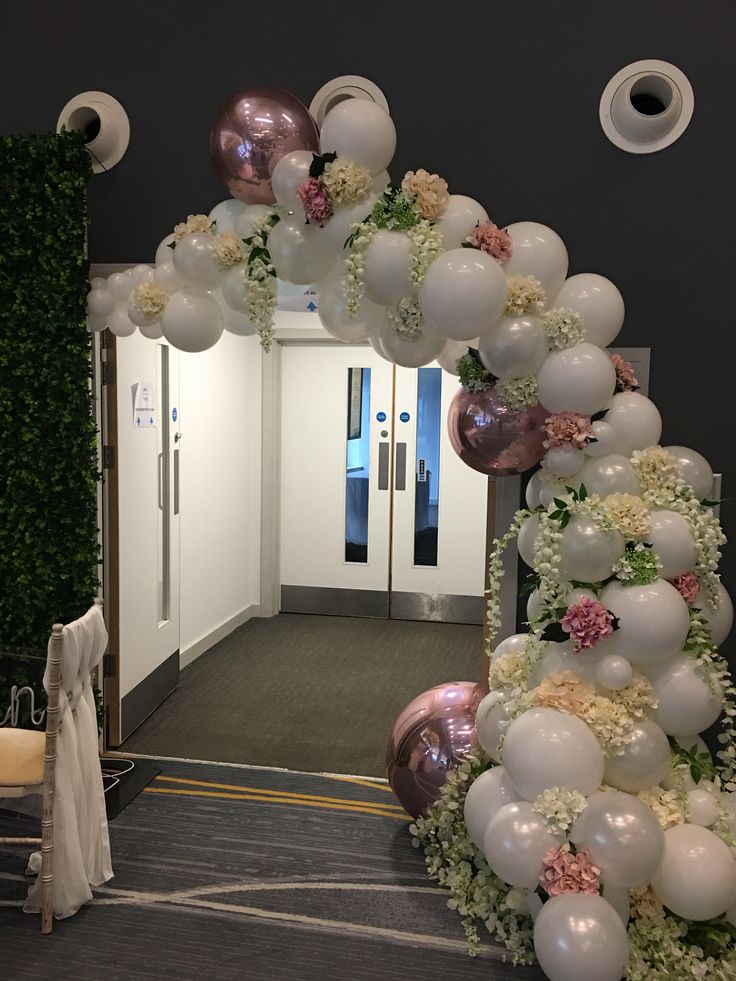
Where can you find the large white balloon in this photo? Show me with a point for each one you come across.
(299, 252)
(694, 470)
(580, 938)
(411, 352)
(459, 220)
(672, 540)
(686, 700)
(599, 302)
(192, 321)
(588, 553)
(225, 213)
(546, 748)
(653, 621)
(577, 379)
(645, 761)
(526, 538)
(463, 293)
(515, 842)
(720, 618)
(195, 261)
(636, 422)
(697, 876)
(119, 323)
(339, 228)
(538, 251)
(247, 218)
(235, 289)
(387, 262)
(609, 474)
(486, 796)
(288, 175)
(491, 722)
(333, 312)
(362, 131)
(514, 347)
(100, 302)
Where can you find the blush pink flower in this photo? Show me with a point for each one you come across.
(564, 873)
(567, 429)
(688, 586)
(316, 201)
(493, 240)
(626, 380)
(587, 622)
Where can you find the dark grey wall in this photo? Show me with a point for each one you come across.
(500, 98)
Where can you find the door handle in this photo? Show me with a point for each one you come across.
(176, 481)
(400, 479)
(159, 479)
(383, 466)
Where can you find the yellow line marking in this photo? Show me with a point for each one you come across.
(364, 783)
(244, 789)
(376, 811)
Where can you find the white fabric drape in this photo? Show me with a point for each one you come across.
(81, 840)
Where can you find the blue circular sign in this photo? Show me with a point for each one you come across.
(381, 416)
(404, 417)
(173, 413)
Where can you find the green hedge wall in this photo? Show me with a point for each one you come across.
(48, 473)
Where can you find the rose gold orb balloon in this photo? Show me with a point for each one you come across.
(493, 439)
(252, 132)
(432, 736)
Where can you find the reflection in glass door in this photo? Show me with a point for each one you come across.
(358, 465)
(427, 481)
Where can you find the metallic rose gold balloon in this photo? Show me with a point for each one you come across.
(431, 737)
(252, 132)
(493, 439)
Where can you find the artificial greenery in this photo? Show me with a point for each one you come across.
(48, 474)
(474, 376)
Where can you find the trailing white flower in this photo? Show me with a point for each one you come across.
(354, 278)
(426, 245)
(260, 278)
(151, 299)
(563, 327)
(518, 393)
(194, 223)
(228, 248)
(405, 317)
(346, 181)
(524, 294)
(560, 808)
(496, 573)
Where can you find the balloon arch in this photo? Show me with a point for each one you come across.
(586, 822)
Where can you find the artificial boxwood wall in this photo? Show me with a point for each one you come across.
(48, 533)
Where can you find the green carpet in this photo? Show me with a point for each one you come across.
(312, 693)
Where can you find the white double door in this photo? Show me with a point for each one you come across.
(379, 517)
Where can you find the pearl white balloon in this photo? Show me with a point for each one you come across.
(618, 897)
(152, 331)
(120, 286)
(380, 182)
(192, 321)
(531, 493)
(564, 461)
(491, 722)
(165, 275)
(697, 876)
(514, 347)
(515, 842)
(604, 440)
(225, 214)
(235, 289)
(142, 273)
(459, 220)
(453, 350)
(98, 282)
(287, 177)
(527, 535)
(538, 251)
(100, 302)
(411, 352)
(546, 748)
(164, 252)
(387, 261)
(375, 342)
(720, 618)
(96, 323)
(686, 702)
(624, 836)
(672, 540)
(609, 474)
(636, 422)
(334, 315)
(299, 252)
(588, 553)
(463, 293)
(614, 672)
(515, 644)
(653, 622)
(580, 938)
(243, 225)
(694, 470)
(339, 228)
(598, 301)
(555, 488)
(119, 322)
(577, 379)
(702, 807)
(561, 657)
(195, 261)
(488, 793)
(645, 761)
(361, 131)
(235, 322)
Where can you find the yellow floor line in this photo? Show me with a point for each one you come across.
(363, 783)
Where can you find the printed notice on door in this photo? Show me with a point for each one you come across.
(144, 405)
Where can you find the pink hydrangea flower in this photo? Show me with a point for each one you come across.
(626, 380)
(567, 429)
(316, 201)
(491, 239)
(688, 586)
(564, 873)
(587, 622)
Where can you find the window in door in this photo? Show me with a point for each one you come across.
(427, 483)
(357, 464)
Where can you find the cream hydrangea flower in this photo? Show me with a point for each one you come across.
(507, 670)
(563, 327)
(524, 294)
(194, 223)
(229, 248)
(611, 724)
(560, 808)
(637, 698)
(430, 190)
(518, 393)
(655, 467)
(629, 515)
(566, 692)
(346, 181)
(150, 298)
(667, 806)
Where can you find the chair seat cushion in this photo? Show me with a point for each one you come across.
(21, 757)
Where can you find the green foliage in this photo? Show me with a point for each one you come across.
(473, 374)
(48, 510)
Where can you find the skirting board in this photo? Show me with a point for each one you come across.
(202, 645)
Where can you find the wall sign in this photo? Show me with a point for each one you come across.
(144, 405)
(381, 416)
(404, 417)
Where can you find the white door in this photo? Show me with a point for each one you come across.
(147, 463)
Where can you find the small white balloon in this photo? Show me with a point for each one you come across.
(195, 260)
(720, 618)
(339, 228)
(702, 807)
(141, 273)
(98, 282)
(164, 252)
(577, 379)
(235, 289)
(673, 542)
(375, 342)
(604, 439)
(246, 219)
(119, 322)
(636, 422)
(694, 470)
(463, 293)
(120, 286)
(411, 352)
(334, 315)
(564, 461)
(581, 938)
(299, 252)
(459, 220)
(515, 842)
(526, 538)
(225, 214)
(168, 277)
(96, 323)
(152, 331)
(533, 488)
(287, 177)
(645, 761)
(599, 302)
(488, 793)
(362, 131)
(192, 321)
(686, 701)
(514, 644)
(588, 552)
(450, 354)
(100, 302)
(653, 622)
(387, 262)
(538, 251)
(491, 722)
(697, 876)
(611, 474)
(613, 672)
(514, 347)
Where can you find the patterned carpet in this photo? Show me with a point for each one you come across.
(238, 873)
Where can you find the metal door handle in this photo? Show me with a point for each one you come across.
(383, 466)
(400, 479)
(159, 478)
(176, 481)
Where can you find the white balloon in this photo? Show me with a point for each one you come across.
(538, 251)
(380, 182)
(609, 474)
(525, 540)
(164, 252)
(152, 331)
(624, 836)
(453, 350)
(375, 342)
(287, 177)
(486, 796)
(491, 721)
(119, 322)
(560, 657)
(549, 489)
(233, 321)
(686, 701)
(653, 622)
(618, 897)
(673, 542)
(588, 553)
(577, 379)
(299, 252)
(141, 273)
(604, 440)
(195, 261)
(636, 422)
(192, 321)
(515, 842)
(96, 323)
(564, 461)
(235, 289)
(361, 131)
(720, 618)
(694, 470)
(614, 672)
(387, 261)
(580, 938)
(411, 352)
(545, 748)
(459, 220)
(100, 302)
(97, 283)
(339, 228)
(599, 302)
(334, 316)
(697, 876)
(463, 293)
(645, 761)
(168, 277)
(246, 219)
(533, 488)
(514, 347)
(120, 286)
(702, 807)
(225, 213)
(515, 644)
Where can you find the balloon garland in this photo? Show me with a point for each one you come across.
(594, 831)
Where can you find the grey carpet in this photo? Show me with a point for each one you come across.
(233, 888)
(310, 693)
